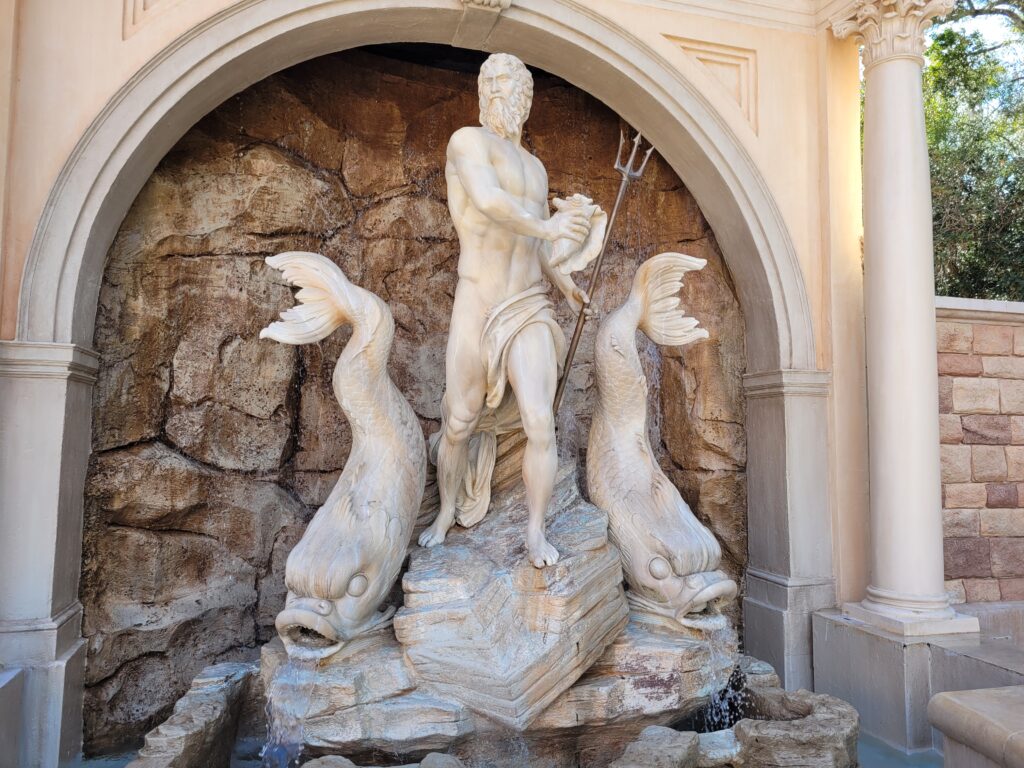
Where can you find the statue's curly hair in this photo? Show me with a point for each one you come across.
(522, 98)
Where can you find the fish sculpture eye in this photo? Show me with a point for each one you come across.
(659, 568)
(357, 585)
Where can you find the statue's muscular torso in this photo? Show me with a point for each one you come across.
(495, 262)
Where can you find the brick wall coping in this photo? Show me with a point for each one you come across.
(980, 310)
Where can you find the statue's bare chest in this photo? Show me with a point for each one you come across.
(519, 173)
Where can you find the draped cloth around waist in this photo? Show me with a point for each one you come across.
(504, 322)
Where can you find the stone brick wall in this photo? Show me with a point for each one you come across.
(212, 449)
(981, 405)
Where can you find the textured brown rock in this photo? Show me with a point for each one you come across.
(330, 761)
(959, 365)
(792, 728)
(801, 728)
(993, 339)
(661, 747)
(954, 337)
(342, 155)
(967, 557)
(645, 672)
(201, 732)
(437, 760)
(1001, 495)
(986, 430)
(174, 580)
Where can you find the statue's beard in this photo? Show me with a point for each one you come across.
(504, 117)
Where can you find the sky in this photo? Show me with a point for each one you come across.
(995, 30)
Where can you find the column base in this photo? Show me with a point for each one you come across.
(911, 623)
(49, 654)
(777, 622)
(884, 676)
(12, 693)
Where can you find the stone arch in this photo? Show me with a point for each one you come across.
(790, 565)
(251, 40)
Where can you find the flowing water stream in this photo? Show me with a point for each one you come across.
(288, 699)
(727, 704)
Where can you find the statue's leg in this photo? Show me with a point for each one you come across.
(465, 390)
(533, 374)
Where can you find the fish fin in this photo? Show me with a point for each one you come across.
(326, 299)
(656, 285)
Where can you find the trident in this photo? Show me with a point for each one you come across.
(630, 172)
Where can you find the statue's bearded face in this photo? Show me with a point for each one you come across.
(506, 94)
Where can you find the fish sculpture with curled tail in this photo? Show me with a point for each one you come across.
(670, 560)
(346, 563)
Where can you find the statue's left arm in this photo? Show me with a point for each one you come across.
(578, 299)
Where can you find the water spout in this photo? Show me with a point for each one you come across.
(288, 699)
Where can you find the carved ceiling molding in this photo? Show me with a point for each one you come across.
(891, 29)
(735, 69)
(798, 15)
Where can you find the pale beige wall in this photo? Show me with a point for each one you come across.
(8, 56)
(842, 227)
(71, 59)
(784, 139)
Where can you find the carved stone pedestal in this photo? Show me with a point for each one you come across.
(367, 703)
(487, 629)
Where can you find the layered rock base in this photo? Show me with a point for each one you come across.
(368, 703)
(788, 728)
(485, 628)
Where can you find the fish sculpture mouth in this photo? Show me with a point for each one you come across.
(307, 633)
(713, 591)
(312, 629)
(697, 606)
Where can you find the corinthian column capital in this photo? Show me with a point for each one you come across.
(891, 29)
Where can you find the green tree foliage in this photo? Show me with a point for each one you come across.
(1011, 11)
(974, 110)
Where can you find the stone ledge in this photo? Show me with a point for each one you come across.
(990, 721)
(979, 310)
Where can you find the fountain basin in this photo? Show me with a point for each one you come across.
(367, 704)
(772, 727)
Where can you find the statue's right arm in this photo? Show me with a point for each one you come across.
(468, 153)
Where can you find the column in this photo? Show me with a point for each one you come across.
(789, 571)
(906, 593)
(45, 415)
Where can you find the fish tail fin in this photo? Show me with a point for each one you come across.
(327, 300)
(656, 288)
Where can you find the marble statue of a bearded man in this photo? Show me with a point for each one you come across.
(503, 329)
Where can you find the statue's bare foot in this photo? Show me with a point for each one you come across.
(540, 552)
(435, 534)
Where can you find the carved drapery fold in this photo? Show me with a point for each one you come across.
(891, 28)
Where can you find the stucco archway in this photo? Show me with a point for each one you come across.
(790, 570)
(254, 39)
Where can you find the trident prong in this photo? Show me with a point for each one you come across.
(630, 172)
(628, 169)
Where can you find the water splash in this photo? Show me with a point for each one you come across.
(727, 702)
(288, 699)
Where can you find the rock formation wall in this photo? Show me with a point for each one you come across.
(212, 449)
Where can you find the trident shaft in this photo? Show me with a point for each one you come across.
(630, 172)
